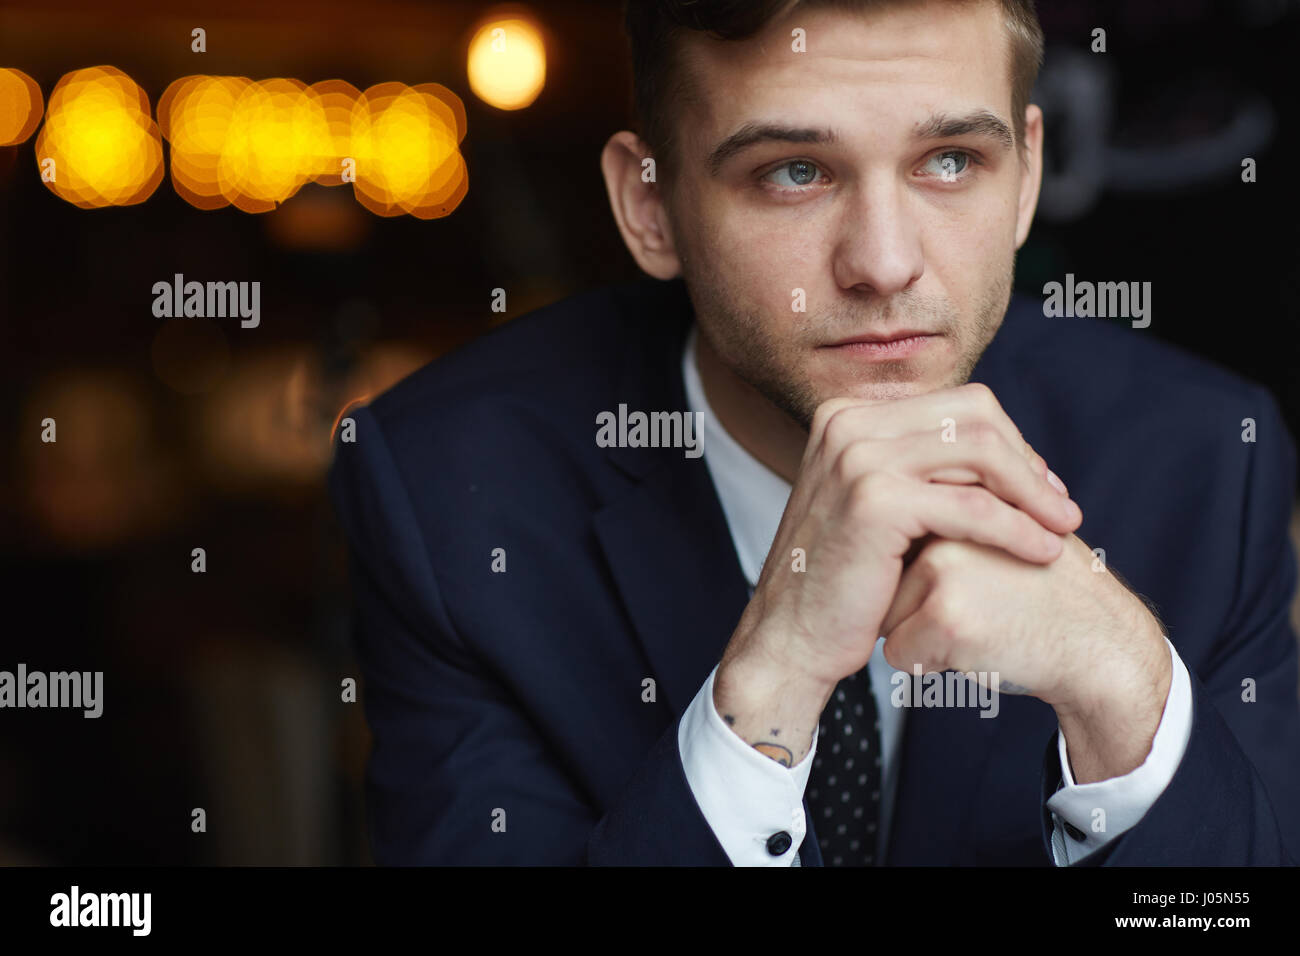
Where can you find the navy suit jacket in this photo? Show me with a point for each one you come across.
(507, 710)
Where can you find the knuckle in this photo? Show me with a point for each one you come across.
(868, 494)
(943, 616)
(981, 433)
(892, 657)
(828, 407)
(938, 555)
(950, 631)
(835, 435)
(985, 400)
(853, 460)
(1026, 533)
(823, 413)
(1024, 526)
(976, 502)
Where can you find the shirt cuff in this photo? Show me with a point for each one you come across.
(1093, 814)
(748, 800)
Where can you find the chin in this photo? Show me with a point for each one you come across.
(888, 390)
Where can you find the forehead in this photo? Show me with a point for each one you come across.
(883, 68)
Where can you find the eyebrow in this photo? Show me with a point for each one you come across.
(977, 123)
(752, 134)
(938, 126)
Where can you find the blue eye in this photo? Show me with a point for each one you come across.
(949, 165)
(800, 172)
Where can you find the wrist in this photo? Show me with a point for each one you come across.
(1109, 733)
(771, 706)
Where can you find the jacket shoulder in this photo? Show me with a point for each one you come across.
(1117, 370)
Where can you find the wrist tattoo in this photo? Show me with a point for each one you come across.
(1007, 687)
(781, 755)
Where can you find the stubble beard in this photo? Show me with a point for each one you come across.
(743, 342)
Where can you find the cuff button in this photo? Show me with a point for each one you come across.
(778, 843)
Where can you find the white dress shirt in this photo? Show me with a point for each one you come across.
(747, 797)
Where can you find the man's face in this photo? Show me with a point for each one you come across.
(898, 216)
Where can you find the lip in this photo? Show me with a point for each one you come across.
(881, 338)
(894, 345)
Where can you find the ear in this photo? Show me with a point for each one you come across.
(638, 206)
(1031, 173)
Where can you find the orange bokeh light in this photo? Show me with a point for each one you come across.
(255, 144)
(236, 141)
(99, 145)
(406, 142)
(21, 106)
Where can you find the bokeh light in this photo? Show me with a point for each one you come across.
(406, 142)
(250, 144)
(21, 106)
(194, 115)
(255, 144)
(99, 145)
(273, 145)
(507, 63)
(337, 100)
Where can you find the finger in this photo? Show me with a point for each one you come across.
(980, 452)
(1040, 466)
(973, 513)
(828, 410)
(983, 398)
(917, 546)
(913, 588)
(841, 421)
(911, 641)
(861, 418)
(978, 456)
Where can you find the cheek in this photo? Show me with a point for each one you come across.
(776, 265)
(969, 251)
(980, 230)
(765, 258)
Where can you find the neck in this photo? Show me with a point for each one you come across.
(758, 426)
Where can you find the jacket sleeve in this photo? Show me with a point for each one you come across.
(458, 774)
(1235, 797)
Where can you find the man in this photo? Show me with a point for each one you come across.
(585, 642)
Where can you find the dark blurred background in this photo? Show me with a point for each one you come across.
(222, 689)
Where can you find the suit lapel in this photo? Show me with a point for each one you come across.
(664, 536)
(669, 549)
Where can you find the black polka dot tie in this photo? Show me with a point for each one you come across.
(844, 784)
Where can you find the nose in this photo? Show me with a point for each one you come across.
(879, 245)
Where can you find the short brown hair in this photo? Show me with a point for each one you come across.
(654, 26)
